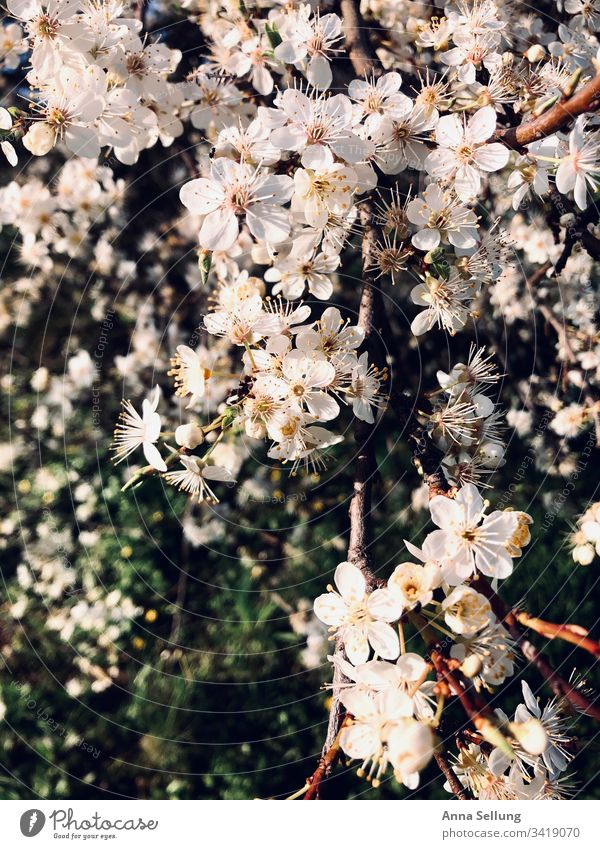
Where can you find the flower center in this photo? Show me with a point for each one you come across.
(136, 65)
(46, 27)
(465, 152)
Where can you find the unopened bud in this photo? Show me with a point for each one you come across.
(189, 435)
(39, 138)
(535, 53)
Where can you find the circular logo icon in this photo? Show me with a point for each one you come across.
(32, 822)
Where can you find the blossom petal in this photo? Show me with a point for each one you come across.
(330, 608)
(152, 455)
(382, 604)
(201, 196)
(350, 581)
(219, 230)
(491, 157)
(482, 125)
(384, 640)
(356, 645)
(268, 223)
(359, 741)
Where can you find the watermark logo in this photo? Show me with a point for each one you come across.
(32, 822)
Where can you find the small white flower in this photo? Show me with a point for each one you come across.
(308, 43)
(407, 674)
(358, 617)
(234, 190)
(400, 141)
(446, 303)
(569, 421)
(462, 153)
(468, 540)
(307, 378)
(133, 431)
(316, 125)
(190, 373)
(244, 323)
(365, 385)
(410, 748)
(414, 583)
(466, 611)
(322, 189)
(195, 476)
(581, 167)
(381, 96)
(295, 272)
(331, 335)
(374, 718)
(441, 217)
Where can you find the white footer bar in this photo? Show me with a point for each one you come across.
(328, 824)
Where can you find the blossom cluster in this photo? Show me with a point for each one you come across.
(284, 169)
(393, 702)
(58, 220)
(296, 374)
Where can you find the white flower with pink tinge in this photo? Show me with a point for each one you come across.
(440, 217)
(462, 154)
(234, 190)
(581, 167)
(315, 125)
(361, 619)
(468, 540)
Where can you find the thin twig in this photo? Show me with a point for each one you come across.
(574, 634)
(557, 118)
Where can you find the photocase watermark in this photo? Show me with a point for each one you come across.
(277, 499)
(66, 826)
(44, 715)
(32, 822)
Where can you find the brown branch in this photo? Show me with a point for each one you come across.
(360, 51)
(457, 788)
(364, 60)
(360, 504)
(561, 688)
(473, 705)
(587, 99)
(327, 761)
(574, 634)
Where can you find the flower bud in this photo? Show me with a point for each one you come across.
(492, 453)
(39, 138)
(535, 53)
(583, 554)
(189, 435)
